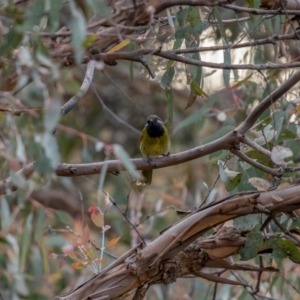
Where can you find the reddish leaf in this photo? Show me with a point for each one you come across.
(78, 265)
(113, 242)
(92, 209)
(85, 235)
(98, 219)
(52, 255)
(71, 254)
(103, 260)
(62, 262)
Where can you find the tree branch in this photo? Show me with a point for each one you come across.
(227, 142)
(268, 40)
(256, 146)
(244, 157)
(267, 102)
(185, 255)
(110, 58)
(255, 11)
(88, 78)
(161, 5)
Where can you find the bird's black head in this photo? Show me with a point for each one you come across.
(155, 126)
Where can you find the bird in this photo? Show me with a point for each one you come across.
(154, 142)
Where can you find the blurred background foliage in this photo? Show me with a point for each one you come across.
(43, 214)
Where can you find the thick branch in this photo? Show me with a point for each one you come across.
(226, 142)
(139, 269)
(144, 164)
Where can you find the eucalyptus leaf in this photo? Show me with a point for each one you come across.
(266, 136)
(78, 28)
(197, 116)
(167, 77)
(49, 144)
(52, 113)
(5, 214)
(254, 243)
(279, 153)
(219, 134)
(124, 157)
(26, 238)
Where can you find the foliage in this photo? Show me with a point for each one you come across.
(79, 78)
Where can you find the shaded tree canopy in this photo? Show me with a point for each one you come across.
(78, 80)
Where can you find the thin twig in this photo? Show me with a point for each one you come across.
(126, 218)
(83, 89)
(105, 108)
(213, 185)
(256, 146)
(110, 58)
(256, 11)
(244, 157)
(286, 232)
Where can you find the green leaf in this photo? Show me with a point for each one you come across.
(52, 113)
(170, 19)
(12, 41)
(48, 141)
(230, 178)
(247, 223)
(43, 165)
(197, 116)
(167, 78)
(250, 3)
(220, 133)
(193, 16)
(5, 214)
(39, 227)
(124, 157)
(284, 248)
(20, 151)
(278, 126)
(253, 244)
(64, 217)
(54, 14)
(241, 82)
(234, 182)
(181, 17)
(196, 88)
(266, 136)
(26, 238)
(78, 28)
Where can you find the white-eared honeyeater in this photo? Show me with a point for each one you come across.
(154, 142)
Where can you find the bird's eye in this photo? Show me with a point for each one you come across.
(148, 122)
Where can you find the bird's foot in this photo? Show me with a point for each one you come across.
(168, 154)
(149, 159)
